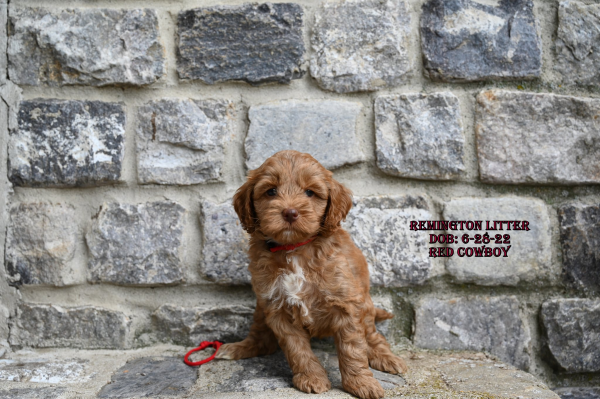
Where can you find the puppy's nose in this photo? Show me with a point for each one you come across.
(291, 215)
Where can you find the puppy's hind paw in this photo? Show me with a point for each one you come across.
(388, 363)
(311, 383)
(364, 387)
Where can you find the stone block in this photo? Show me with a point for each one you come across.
(360, 45)
(580, 239)
(470, 40)
(272, 373)
(182, 141)
(578, 393)
(32, 393)
(578, 43)
(88, 327)
(264, 373)
(490, 379)
(150, 377)
(137, 244)
(3, 39)
(190, 326)
(326, 129)
(254, 43)
(11, 95)
(537, 138)
(225, 245)
(419, 136)
(40, 245)
(491, 324)
(573, 331)
(45, 371)
(529, 256)
(379, 226)
(94, 47)
(61, 143)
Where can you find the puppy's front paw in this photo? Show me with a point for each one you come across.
(364, 387)
(236, 351)
(311, 383)
(226, 351)
(389, 363)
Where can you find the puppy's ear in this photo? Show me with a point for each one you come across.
(338, 206)
(244, 205)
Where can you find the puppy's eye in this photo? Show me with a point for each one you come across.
(309, 193)
(272, 192)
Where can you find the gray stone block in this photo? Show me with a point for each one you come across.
(529, 256)
(580, 239)
(578, 43)
(419, 136)
(264, 373)
(490, 379)
(255, 43)
(270, 373)
(3, 39)
(49, 326)
(540, 138)
(326, 129)
(469, 40)
(379, 226)
(95, 47)
(150, 377)
(32, 393)
(225, 245)
(360, 46)
(573, 330)
(137, 244)
(578, 393)
(491, 324)
(40, 244)
(190, 326)
(182, 141)
(62, 143)
(45, 371)
(11, 95)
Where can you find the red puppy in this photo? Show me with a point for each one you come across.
(317, 286)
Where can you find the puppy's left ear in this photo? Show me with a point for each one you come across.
(338, 206)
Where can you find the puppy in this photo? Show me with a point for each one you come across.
(309, 278)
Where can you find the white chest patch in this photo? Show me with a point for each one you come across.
(288, 286)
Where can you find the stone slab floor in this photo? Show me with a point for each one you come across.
(160, 372)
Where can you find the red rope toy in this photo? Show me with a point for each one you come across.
(203, 345)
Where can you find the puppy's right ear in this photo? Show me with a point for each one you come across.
(244, 205)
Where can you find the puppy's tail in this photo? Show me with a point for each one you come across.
(381, 315)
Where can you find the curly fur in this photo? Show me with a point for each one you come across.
(317, 290)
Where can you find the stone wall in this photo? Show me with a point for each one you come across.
(124, 133)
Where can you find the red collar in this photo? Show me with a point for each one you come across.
(290, 247)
